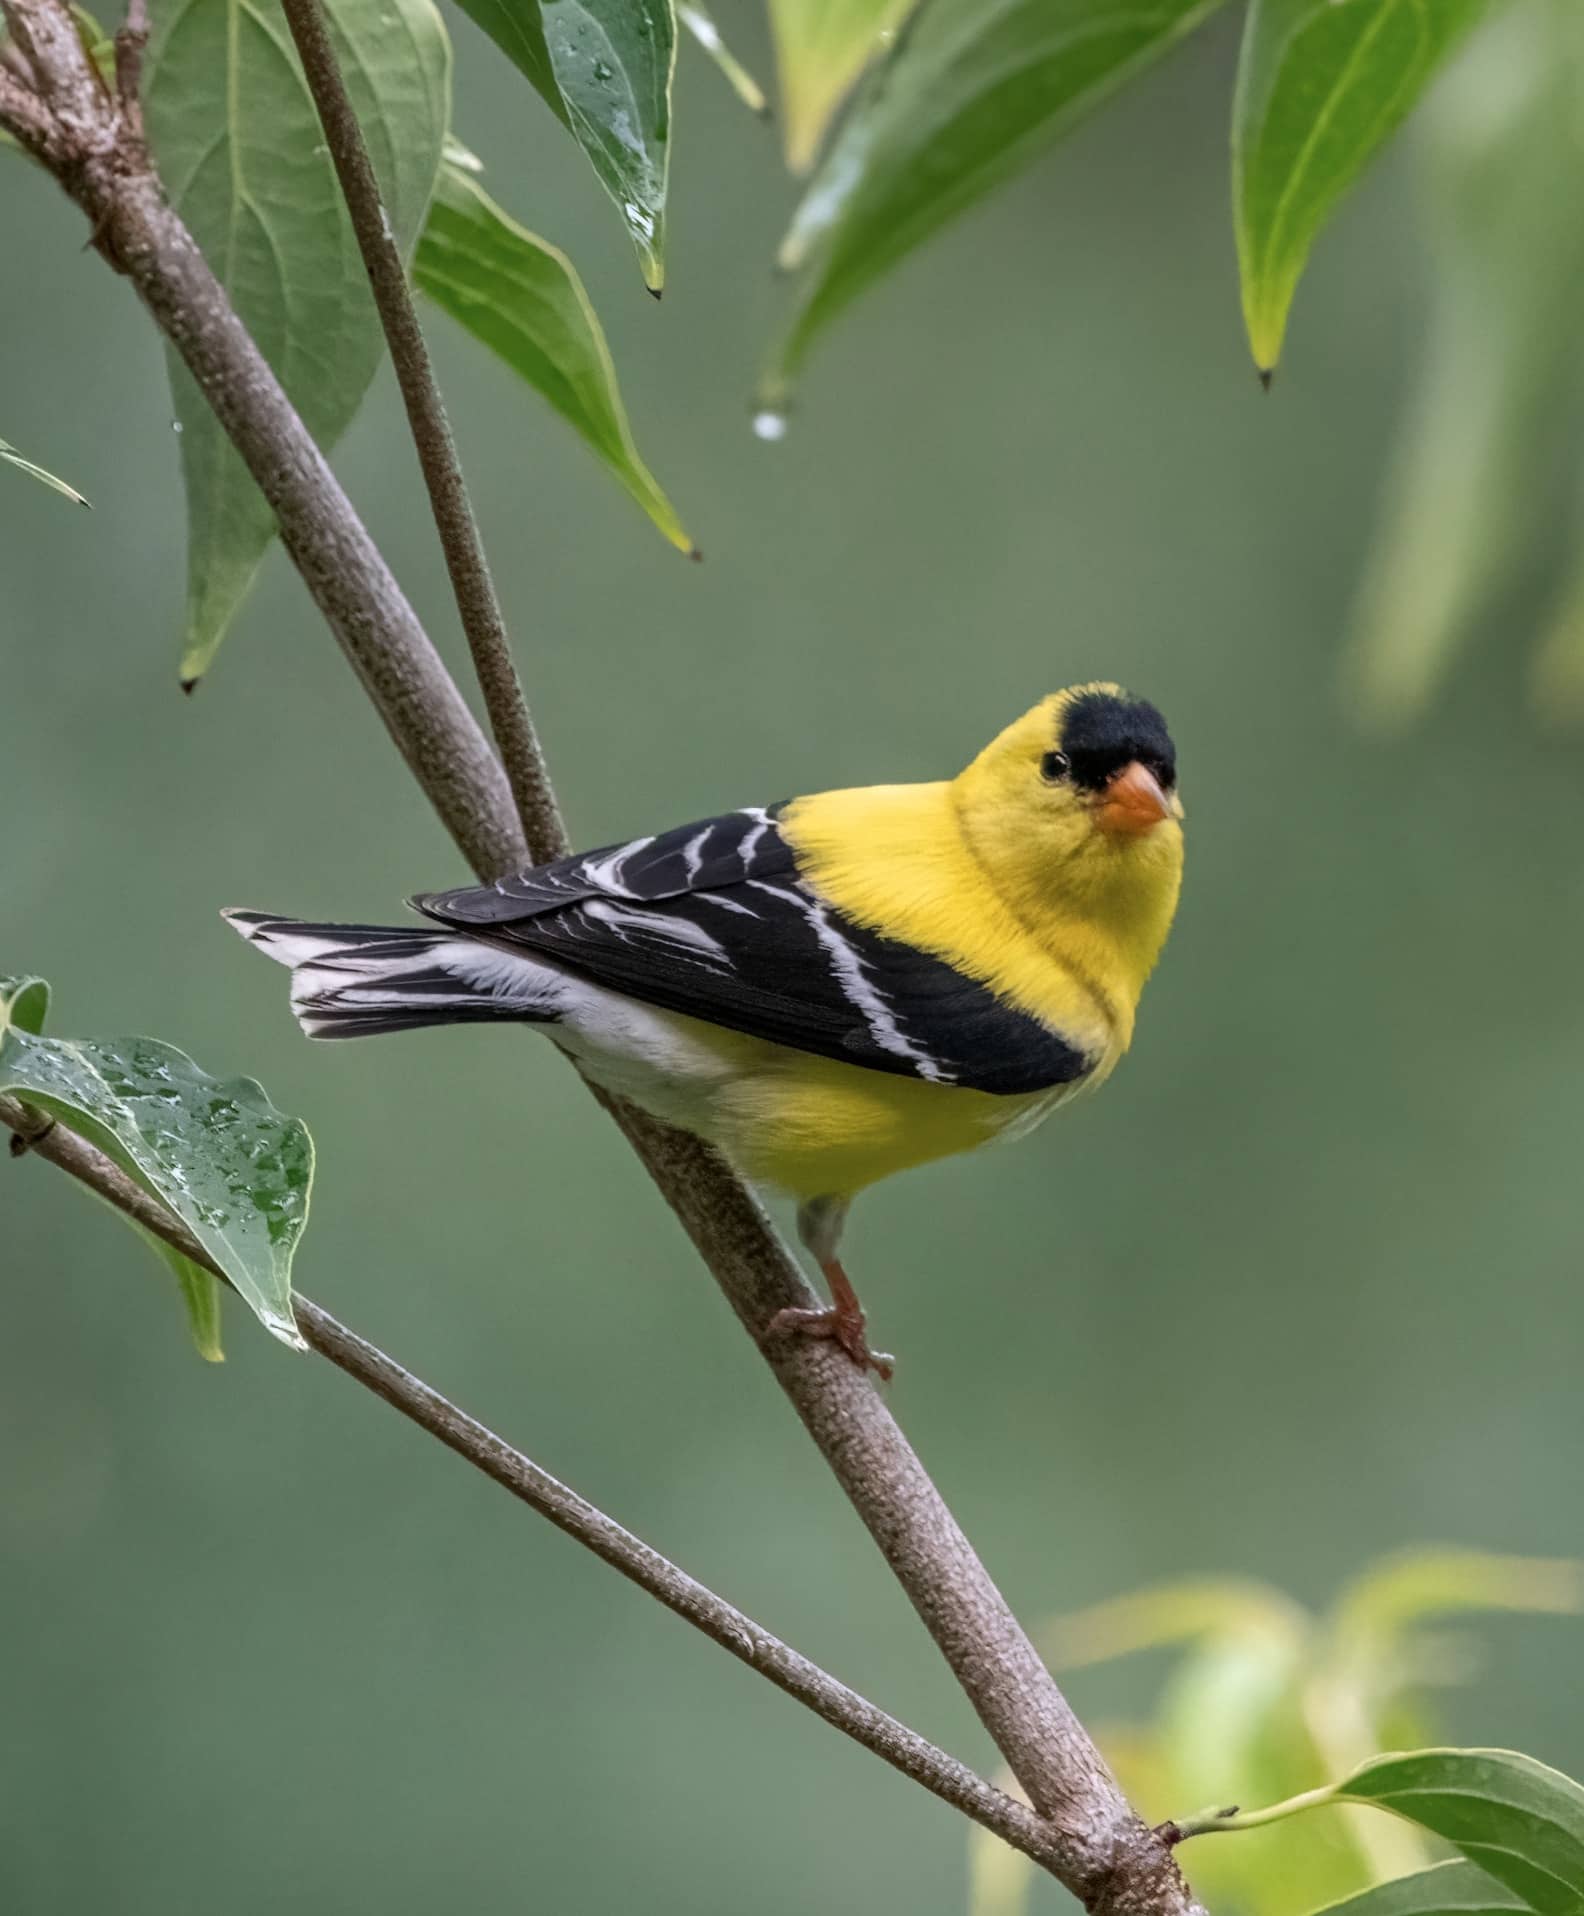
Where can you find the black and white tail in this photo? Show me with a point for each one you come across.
(354, 981)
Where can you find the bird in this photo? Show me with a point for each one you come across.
(832, 988)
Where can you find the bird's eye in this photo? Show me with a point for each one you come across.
(1054, 767)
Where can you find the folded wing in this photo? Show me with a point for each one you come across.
(713, 920)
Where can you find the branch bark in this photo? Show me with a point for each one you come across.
(1101, 1849)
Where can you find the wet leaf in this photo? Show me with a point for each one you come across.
(976, 90)
(701, 24)
(12, 457)
(242, 156)
(1322, 85)
(1448, 1889)
(235, 1170)
(604, 68)
(522, 298)
(822, 46)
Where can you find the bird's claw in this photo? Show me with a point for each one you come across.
(847, 1329)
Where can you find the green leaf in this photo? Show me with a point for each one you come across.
(977, 88)
(200, 1293)
(604, 68)
(1377, 1609)
(12, 457)
(1499, 368)
(243, 159)
(1238, 1724)
(96, 43)
(822, 46)
(1322, 84)
(219, 1155)
(24, 1005)
(1447, 1889)
(1557, 677)
(1518, 1820)
(1237, 1609)
(700, 23)
(522, 299)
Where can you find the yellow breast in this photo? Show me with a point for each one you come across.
(895, 858)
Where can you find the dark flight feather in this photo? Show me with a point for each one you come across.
(714, 921)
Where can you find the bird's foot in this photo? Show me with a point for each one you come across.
(846, 1331)
(844, 1321)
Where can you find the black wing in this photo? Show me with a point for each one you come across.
(713, 920)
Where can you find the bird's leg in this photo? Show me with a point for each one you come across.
(819, 1225)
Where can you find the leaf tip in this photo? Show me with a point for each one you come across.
(695, 553)
(189, 686)
(654, 292)
(1266, 375)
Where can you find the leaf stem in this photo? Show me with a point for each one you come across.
(473, 588)
(1212, 1822)
(130, 45)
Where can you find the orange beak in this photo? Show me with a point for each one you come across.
(1134, 802)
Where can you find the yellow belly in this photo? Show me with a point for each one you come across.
(816, 1128)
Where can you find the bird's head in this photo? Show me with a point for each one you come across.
(1075, 805)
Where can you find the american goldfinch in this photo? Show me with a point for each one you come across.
(832, 988)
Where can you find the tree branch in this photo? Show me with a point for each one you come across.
(1100, 1848)
(719, 1620)
(471, 584)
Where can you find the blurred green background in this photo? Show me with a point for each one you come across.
(1302, 1286)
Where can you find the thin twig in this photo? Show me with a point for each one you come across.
(719, 1620)
(130, 45)
(471, 584)
(1102, 1850)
